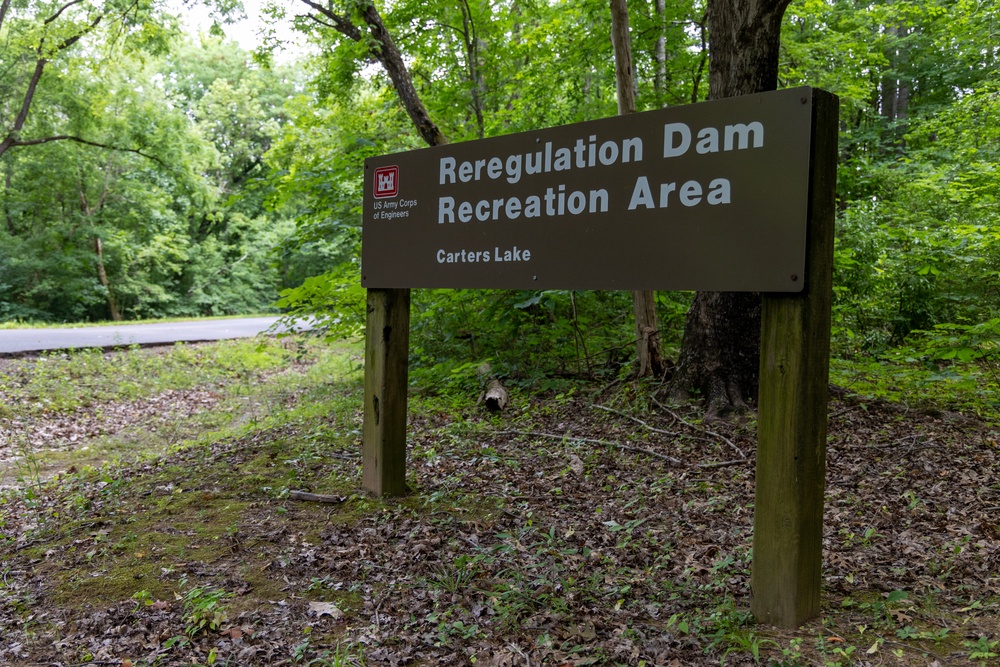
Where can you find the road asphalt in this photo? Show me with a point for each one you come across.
(18, 341)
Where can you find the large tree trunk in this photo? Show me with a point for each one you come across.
(720, 354)
(647, 328)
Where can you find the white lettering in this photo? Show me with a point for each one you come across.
(564, 160)
(533, 207)
(599, 201)
(483, 211)
(447, 170)
(446, 210)
(609, 153)
(632, 150)
(513, 168)
(672, 148)
(641, 195)
(513, 209)
(465, 172)
(718, 192)
(708, 141)
(690, 193)
(665, 190)
(743, 132)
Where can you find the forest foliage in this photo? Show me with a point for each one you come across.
(212, 180)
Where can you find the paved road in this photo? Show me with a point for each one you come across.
(14, 341)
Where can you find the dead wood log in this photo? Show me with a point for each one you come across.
(494, 394)
(315, 497)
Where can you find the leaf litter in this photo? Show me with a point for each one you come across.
(594, 529)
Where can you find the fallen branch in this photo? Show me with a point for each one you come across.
(315, 497)
(699, 428)
(608, 443)
(636, 420)
(843, 411)
(720, 464)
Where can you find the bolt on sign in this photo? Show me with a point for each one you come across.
(710, 196)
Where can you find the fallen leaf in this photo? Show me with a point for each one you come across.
(900, 616)
(325, 609)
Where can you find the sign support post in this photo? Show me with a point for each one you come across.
(792, 409)
(387, 347)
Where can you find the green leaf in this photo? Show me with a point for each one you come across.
(897, 595)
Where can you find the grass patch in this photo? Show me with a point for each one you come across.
(63, 382)
(79, 410)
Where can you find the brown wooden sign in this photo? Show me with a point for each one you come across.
(709, 196)
(736, 194)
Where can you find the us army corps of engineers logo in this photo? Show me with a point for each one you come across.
(386, 182)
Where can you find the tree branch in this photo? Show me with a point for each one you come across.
(56, 16)
(29, 95)
(15, 143)
(70, 41)
(316, 19)
(636, 420)
(3, 11)
(702, 429)
(387, 53)
(341, 24)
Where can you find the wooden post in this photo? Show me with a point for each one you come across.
(791, 432)
(387, 348)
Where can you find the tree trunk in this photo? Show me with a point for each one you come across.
(476, 83)
(102, 275)
(647, 333)
(720, 354)
(647, 330)
(383, 48)
(895, 91)
(702, 61)
(392, 60)
(6, 200)
(660, 55)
